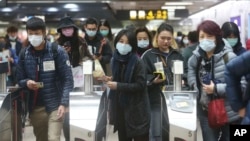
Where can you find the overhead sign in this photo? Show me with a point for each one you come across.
(142, 14)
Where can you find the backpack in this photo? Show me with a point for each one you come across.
(54, 47)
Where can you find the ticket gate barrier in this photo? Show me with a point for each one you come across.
(182, 115)
(88, 116)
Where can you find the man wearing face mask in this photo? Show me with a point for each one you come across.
(97, 45)
(231, 33)
(48, 78)
(14, 45)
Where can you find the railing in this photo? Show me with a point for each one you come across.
(11, 114)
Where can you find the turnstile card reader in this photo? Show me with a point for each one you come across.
(182, 111)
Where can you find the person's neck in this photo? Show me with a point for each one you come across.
(91, 38)
(40, 47)
(210, 54)
(165, 50)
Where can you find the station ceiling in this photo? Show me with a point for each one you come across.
(16, 10)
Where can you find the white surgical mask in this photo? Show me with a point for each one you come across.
(12, 38)
(123, 49)
(91, 33)
(185, 41)
(207, 45)
(35, 40)
(142, 43)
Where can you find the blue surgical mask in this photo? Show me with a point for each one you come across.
(207, 45)
(91, 33)
(142, 43)
(232, 41)
(123, 49)
(104, 32)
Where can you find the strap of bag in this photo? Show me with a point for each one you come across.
(163, 61)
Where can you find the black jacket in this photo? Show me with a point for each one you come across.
(136, 111)
(152, 56)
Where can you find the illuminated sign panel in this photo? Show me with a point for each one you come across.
(2, 3)
(142, 14)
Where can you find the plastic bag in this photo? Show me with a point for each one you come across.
(78, 76)
(98, 70)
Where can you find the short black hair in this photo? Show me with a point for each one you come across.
(193, 36)
(91, 21)
(35, 23)
(131, 38)
(12, 29)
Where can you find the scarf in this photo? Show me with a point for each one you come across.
(122, 70)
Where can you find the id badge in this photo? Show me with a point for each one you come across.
(48, 65)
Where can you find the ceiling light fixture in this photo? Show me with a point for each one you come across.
(178, 3)
(6, 9)
(70, 5)
(173, 7)
(52, 9)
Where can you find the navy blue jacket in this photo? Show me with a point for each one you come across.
(235, 69)
(57, 83)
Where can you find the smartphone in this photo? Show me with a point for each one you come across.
(39, 84)
(161, 75)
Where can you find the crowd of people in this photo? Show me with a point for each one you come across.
(211, 55)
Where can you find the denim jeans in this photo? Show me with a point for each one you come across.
(210, 134)
(155, 123)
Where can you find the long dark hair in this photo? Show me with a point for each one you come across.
(75, 43)
(229, 28)
(104, 22)
(131, 38)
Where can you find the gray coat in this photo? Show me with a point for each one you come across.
(219, 69)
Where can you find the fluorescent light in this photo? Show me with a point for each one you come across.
(71, 5)
(6, 9)
(52, 9)
(173, 7)
(178, 3)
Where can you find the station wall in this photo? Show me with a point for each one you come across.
(236, 11)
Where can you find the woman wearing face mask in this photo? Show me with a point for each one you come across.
(164, 50)
(231, 33)
(144, 40)
(129, 109)
(206, 75)
(77, 50)
(105, 30)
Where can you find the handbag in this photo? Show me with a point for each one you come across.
(217, 115)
